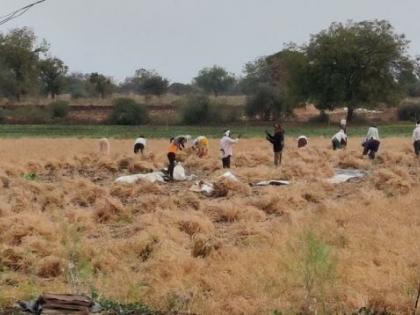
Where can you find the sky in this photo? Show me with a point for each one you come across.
(177, 38)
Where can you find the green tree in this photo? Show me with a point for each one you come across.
(147, 82)
(357, 64)
(78, 85)
(256, 74)
(266, 103)
(214, 80)
(103, 85)
(19, 57)
(52, 73)
(180, 88)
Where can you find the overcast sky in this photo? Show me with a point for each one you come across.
(179, 37)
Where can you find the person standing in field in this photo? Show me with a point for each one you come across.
(175, 145)
(343, 125)
(416, 139)
(339, 140)
(140, 145)
(302, 141)
(226, 144)
(200, 145)
(277, 140)
(371, 143)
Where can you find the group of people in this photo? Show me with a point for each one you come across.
(370, 144)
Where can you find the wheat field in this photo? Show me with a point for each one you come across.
(310, 247)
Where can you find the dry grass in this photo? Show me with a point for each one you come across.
(69, 228)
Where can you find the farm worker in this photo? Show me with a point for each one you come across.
(182, 140)
(416, 139)
(343, 125)
(201, 144)
(339, 140)
(140, 145)
(302, 141)
(172, 150)
(226, 144)
(104, 146)
(371, 142)
(277, 140)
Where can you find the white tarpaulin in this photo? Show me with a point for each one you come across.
(150, 177)
(273, 183)
(229, 175)
(203, 187)
(343, 175)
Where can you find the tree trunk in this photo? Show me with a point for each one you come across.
(350, 111)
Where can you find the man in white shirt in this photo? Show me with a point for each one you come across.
(226, 144)
(416, 139)
(372, 142)
(140, 145)
(339, 140)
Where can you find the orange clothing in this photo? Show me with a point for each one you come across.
(173, 148)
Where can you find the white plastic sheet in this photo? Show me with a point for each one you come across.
(150, 177)
(229, 175)
(344, 175)
(273, 182)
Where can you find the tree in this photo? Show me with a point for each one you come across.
(52, 73)
(180, 88)
(357, 64)
(19, 56)
(266, 103)
(103, 85)
(78, 85)
(257, 74)
(214, 80)
(147, 82)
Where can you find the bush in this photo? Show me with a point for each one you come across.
(266, 104)
(59, 109)
(199, 109)
(126, 111)
(31, 115)
(3, 115)
(409, 112)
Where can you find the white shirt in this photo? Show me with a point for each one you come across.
(226, 144)
(340, 136)
(373, 133)
(140, 141)
(416, 134)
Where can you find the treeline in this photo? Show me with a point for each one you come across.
(356, 64)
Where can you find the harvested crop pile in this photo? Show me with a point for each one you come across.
(66, 226)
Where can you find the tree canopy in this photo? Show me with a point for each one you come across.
(214, 80)
(357, 64)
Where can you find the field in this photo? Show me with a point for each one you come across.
(246, 131)
(310, 247)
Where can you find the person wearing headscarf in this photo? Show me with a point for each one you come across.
(226, 144)
(302, 141)
(139, 145)
(372, 142)
(416, 139)
(339, 140)
(277, 140)
(200, 145)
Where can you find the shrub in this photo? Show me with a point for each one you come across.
(266, 104)
(31, 115)
(59, 109)
(409, 112)
(199, 109)
(3, 115)
(195, 110)
(126, 111)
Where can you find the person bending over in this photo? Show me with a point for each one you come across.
(339, 141)
(371, 143)
(140, 145)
